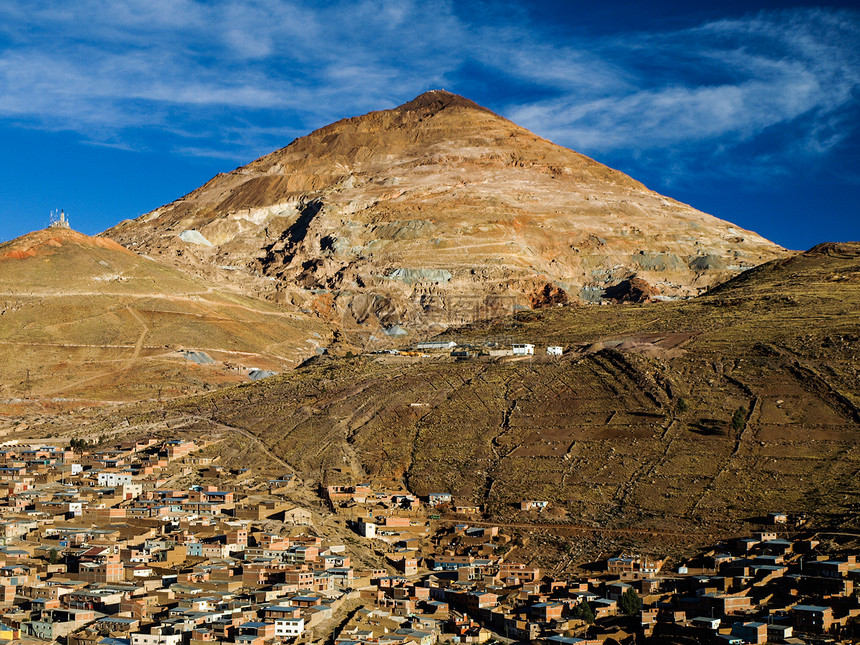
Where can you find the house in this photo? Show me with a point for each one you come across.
(633, 566)
(616, 590)
(177, 449)
(603, 607)
(367, 529)
(523, 349)
(521, 572)
(158, 636)
(54, 623)
(437, 499)
(704, 622)
(289, 627)
(257, 629)
(728, 639)
(451, 562)
(298, 516)
(751, 632)
(358, 493)
(812, 618)
(9, 633)
(833, 568)
(779, 633)
(724, 604)
(279, 612)
(532, 504)
(113, 478)
(544, 612)
(101, 572)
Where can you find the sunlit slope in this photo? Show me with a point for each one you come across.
(84, 317)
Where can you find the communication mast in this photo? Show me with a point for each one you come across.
(58, 220)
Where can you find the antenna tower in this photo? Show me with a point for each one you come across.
(59, 220)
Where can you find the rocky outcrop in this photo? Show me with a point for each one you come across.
(548, 295)
(442, 209)
(633, 289)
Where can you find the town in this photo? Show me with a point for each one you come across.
(111, 544)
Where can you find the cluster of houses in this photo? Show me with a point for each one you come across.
(99, 546)
(431, 347)
(756, 589)
(759, 589)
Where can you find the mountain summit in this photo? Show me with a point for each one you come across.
(435, 212)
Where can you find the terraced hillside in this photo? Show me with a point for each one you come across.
(82, 318)
(717, 409)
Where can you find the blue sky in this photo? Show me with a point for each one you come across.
(748, 111)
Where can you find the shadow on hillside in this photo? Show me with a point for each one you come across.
(708, 427)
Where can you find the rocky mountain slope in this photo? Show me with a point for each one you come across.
(699, 412)
(83, 318)
(435, 213)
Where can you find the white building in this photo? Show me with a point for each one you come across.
(132, 491)
(289, 627)
(706, 622)
(437, 499)
(367, 529)
(436, 345)
(156, 638)
(533, 504)
(523, 349)
(113, 479)
(554, 350)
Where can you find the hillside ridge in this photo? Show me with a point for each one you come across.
(44, 242)
(85, 321)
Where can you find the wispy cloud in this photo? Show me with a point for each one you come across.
(790, 76)
(229, 79)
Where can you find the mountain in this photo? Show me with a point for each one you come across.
(704, 412)
(85, 319)
(435, 213)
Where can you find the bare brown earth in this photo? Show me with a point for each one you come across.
(631, 428)
(433, 214)
(85, 321)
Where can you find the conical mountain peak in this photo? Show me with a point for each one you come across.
(375, 216)
(435, 101)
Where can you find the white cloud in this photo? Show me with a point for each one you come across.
(199, 72)
(727, 83)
